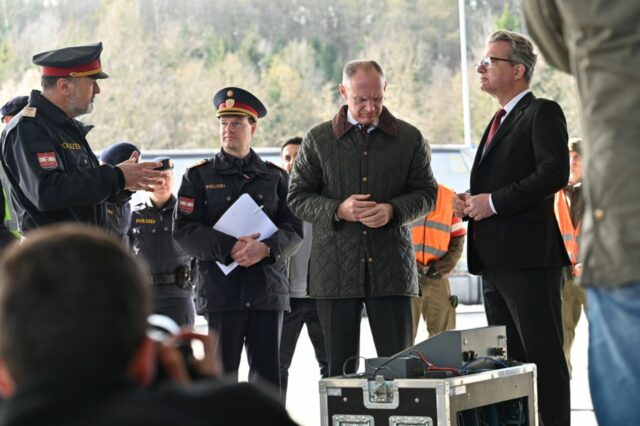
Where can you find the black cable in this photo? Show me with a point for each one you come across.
(351, 375)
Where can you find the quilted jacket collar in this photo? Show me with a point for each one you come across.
(387, 123)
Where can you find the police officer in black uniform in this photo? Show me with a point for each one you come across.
(53, 173)
(150, 237)
(245, 307)
(118, 207)
(12, 107)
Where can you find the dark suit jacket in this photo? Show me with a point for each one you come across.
(526, 163)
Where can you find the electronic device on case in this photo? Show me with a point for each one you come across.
(482, 348)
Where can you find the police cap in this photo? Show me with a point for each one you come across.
(14, 106)
(167, 163)
(117, 153)
(77, 61)
(236, 101)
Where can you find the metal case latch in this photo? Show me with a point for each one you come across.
(381, 394)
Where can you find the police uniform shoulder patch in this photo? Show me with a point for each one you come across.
(275, 166)
(29, 111)
(47, 160)
(198, 164)
(186, 204)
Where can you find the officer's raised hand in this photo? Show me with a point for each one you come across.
(141, 176)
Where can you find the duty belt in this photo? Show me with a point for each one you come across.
(162, 279)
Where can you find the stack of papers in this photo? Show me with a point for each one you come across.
(244, 218)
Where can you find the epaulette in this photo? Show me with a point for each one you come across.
(139, 206)
(29, 111)
(198, 164)
(275, 166)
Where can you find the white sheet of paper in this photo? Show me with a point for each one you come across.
(243, 218)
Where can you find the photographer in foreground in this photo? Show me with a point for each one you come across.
(74, 350)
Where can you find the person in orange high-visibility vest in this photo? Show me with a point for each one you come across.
(569, 206)
(438, 240)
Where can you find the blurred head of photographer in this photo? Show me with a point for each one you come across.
(74, 304)
(76, 347)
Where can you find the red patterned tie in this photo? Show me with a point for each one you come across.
(494, 126)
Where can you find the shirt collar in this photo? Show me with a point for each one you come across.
(353, 121)
(513, 102)
(239, 163)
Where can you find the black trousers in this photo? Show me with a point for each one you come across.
(528, 303)
(391, 326)
(303, 311)
(180, 309)
(259, 332)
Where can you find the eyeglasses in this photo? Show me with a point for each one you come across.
(487, 61)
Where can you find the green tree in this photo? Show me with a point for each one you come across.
(508, 20)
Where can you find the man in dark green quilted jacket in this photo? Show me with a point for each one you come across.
(361, 179)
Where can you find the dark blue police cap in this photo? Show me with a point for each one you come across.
(14, 106)
(77, 61)
(167, 163)
(117, 153)
(236, 101)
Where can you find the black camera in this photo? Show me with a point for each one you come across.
(160, 329)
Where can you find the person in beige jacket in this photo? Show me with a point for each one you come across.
(598, 41)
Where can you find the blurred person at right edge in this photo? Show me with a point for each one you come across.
(303, 308)
(514, 240)
(569, 206)
(598, 42)
(150, 237)
(438, 240)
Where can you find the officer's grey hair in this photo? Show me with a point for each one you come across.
(521, 50)
(48, 82)
(365, 64)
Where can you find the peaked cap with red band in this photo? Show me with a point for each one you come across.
(236, 101)
(77, 61)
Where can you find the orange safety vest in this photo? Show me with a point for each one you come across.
(570, 234)
(432, 233)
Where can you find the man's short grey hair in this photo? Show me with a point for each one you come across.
(365, 64)
(49, 82)
(521, 50)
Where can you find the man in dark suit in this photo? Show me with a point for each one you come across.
(514, 239)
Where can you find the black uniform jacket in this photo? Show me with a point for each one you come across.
(150, 236)
(119, 214)
(208, 189)
(525, 164)
(54, 175)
